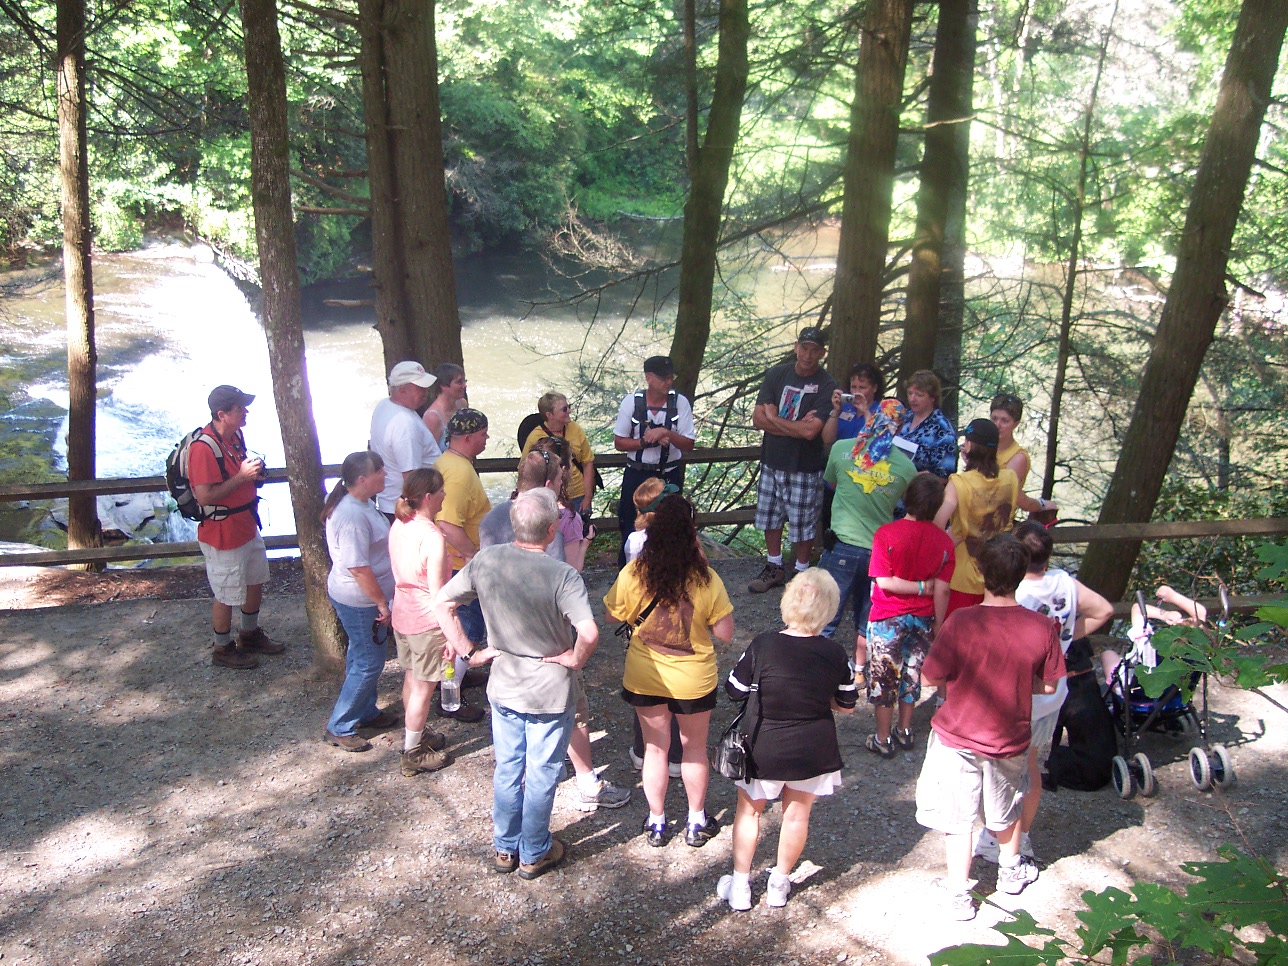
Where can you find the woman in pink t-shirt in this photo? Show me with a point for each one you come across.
(421, 567)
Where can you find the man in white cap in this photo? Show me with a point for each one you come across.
(398, 435)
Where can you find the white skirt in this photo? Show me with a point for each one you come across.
(759, 790)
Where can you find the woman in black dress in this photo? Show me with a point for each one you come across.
(792, 736)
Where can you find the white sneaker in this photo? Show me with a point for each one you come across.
(780, 887)
(672, 767)
(986, 846)
(740, 899)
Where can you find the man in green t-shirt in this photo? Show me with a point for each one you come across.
(869, 474)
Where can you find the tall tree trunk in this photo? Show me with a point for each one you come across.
(275, 237)
(83, 528)
(869, 182)
(1197, 295)
(691, 85)
(708, 180)
(1064, 346)
(393, 315)
(944, 172)
(416, 308)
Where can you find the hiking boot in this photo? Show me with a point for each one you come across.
(503, 863)
(554, 856)
(1013, 880)
(423, 759)
(386, 720)
(257, 642)
(739, 899)
(904, 738)
(234, 657)
(349, 742)
(697, 836)
(771, 576)
(607, 795)
(878, 747)
(466, 712)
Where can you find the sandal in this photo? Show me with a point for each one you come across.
(877, 747)
(904, 738)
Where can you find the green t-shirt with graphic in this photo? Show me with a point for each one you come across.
(865, 498)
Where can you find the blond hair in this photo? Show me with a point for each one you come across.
(810, 600)
(645, 494)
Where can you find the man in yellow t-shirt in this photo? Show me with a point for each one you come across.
(465, 503)
(556, 421)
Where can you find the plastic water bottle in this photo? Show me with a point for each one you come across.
(449, 690)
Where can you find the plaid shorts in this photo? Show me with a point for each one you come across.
(794, 497)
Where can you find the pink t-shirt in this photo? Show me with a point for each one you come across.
(912, 550)
(570, 526)
(409, 549)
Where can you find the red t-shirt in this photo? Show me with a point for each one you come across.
(236, 529)
(912, 550)
(989, 657)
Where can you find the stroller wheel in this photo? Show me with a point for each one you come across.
(1222, 767)
(1145, 774)
(1124, 783)
(1200, 769)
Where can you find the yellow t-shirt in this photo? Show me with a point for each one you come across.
(671, 654)
(465, 503)
(984, 508)
(1005, 456)
(578, 445)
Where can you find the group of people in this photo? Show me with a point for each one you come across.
(920, 552)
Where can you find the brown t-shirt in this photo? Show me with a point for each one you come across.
(989, 657)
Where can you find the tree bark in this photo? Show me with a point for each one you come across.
(83, 529)
(1064, 345)
(869, 182)
(691, 85)
(941, 194)
(707, 183)
(1197, 295)
(279, 274)
(416, 309)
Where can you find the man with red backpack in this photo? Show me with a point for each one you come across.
(224, 485)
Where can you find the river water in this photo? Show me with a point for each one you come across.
(171, 325)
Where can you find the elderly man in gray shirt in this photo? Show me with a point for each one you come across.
(540, 631)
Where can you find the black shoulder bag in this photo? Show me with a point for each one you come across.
(731, 754)
(626, 628)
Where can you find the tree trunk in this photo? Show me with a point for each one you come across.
(691, 85)
(393, 316)
(1197, 295)
(869, 182)
(707, 183)
(944, 173)
(1064, 346)
(83, 528)
(406, 126)
(275, 237)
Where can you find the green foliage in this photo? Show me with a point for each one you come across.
(1210, 916)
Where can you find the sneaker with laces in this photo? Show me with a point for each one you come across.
(959, 906)
(771, 576)
(1026, 846)
(878, 747)
(986, 846)
(739, 899)
(554, 857)
(697, 836)
(1013, 880)
(655, 835)
(779, 888)
(904, 738)
(607, 795)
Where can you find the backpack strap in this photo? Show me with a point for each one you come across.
(210, 436)
(640, 422)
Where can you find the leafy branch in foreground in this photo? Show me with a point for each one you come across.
(1238, 910)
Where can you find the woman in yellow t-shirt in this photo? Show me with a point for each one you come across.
(1006, 411)
(671, 661)
(979, 502)
(579, 476)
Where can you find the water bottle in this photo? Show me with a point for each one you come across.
(449, 690)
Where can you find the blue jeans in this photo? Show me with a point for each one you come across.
(471, 617)
(363, 663)
(849, 565)
(529, 751)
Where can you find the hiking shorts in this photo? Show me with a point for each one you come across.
(422, 654)
(957, 784)
(230, 572)
(794, 497)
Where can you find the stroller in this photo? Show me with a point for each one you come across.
(1172, 712)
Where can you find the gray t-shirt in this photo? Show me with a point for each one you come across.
(530, 605)
(496, 528)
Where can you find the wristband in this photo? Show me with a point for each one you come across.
(921, 588)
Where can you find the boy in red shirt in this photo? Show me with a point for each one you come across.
(236, 561)
(990, 659)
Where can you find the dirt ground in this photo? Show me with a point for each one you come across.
(157, 810)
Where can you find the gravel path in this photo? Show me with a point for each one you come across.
(157, 810)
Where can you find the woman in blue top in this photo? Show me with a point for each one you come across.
(928, 427)
(848, 419)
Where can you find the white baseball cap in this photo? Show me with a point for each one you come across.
(410, 372)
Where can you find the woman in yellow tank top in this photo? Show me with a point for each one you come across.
(979, 502)
(1005, 411)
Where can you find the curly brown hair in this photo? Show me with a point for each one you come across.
(672, 558)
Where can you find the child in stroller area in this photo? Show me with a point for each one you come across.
(1189, 612)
